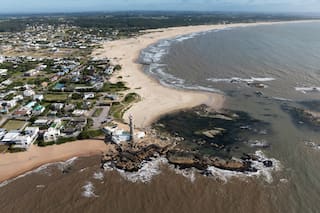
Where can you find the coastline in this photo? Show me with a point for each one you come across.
(15, 164)
(157, 99)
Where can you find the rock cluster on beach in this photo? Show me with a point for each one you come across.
(131, 160)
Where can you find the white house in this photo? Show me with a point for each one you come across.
(88, 96)
(39, 97)
(3, 72)
(28, 93)
(51, 135)
(21, 140)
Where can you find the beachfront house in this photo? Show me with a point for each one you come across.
(19, 139)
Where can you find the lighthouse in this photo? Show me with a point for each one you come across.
(131, 125)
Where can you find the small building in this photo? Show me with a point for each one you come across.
(37, 110)
(32, 72)
(42, 122)
(57, 106)
(21, 139)
(88, 96)
(3, 72)
(78, 112)
(52, 134)
(28, 93)
(6, 82)
(38, 97)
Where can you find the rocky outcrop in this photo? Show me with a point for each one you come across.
(131, 160)
(188, 160)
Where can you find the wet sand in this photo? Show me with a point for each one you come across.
(157, 99)
(12, 165)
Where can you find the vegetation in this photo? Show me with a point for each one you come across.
(14, 125)
(56, 97)
(41, 143)
(119, 108)
(130, 23)
(97, 112)
(3, 148)
(14, 150)
(117, 87)
(89, 134)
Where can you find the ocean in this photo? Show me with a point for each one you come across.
(269, 72)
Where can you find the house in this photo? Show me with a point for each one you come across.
(6, 105)
(25, 110)
(69, 107)
(6, 82)
(42, 122)
(28, 93)
(39, 97)
(30, 73)
(80, 112)
(51, 135)
(3, 72)
(21, 139)
(88, 96)
(57, 106)
(18, 98)
(37, 110)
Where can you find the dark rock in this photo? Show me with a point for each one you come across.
(268, 163)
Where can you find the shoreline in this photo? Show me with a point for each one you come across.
(157, 99)
(14, 164)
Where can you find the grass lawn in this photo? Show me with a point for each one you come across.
(3, 148)
(56, 97)
(13, 125)
(97, 112)
(119, 108)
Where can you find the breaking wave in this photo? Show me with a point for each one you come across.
(89, 190)
(307, 89)
(148, 170)
(153, 168)
(61, 165)
(152, 57)
(262, 171)
(241, 80)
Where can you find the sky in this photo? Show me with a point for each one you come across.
(42, 6)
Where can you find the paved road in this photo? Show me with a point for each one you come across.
(102, 117)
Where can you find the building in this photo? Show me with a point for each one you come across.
(38, 110)
(39, 97)
(21, 139)
(88, 96)
(32, 72)
(42, 122)
(28, 93)
(78, 113)
(25, 110)
(53, 133)
(3, 72)
(7, 105)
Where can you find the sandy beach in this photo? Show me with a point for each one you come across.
(157, 99)
(12, 165)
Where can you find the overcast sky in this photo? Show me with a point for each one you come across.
(27, 6)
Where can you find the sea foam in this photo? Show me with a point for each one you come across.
(241, 80)
(89, 190)
(152, 168)
(40, 169)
